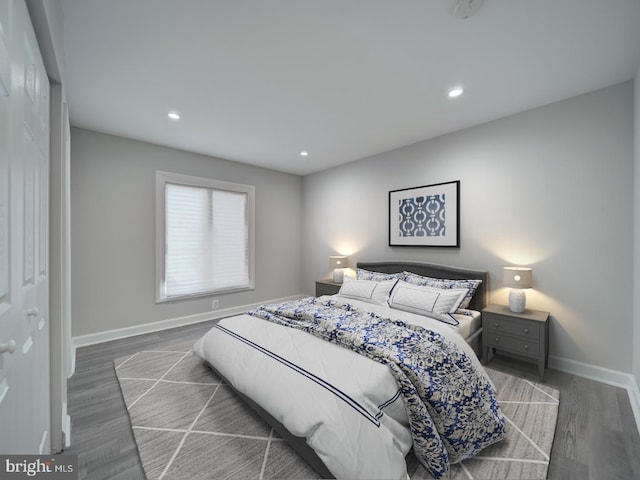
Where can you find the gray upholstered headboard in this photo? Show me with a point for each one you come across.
(480, 298)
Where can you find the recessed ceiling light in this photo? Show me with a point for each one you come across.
(173, 116)
(455, 92)
(304, 153)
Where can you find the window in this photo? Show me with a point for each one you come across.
(204, 236)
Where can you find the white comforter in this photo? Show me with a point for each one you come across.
(347, 406)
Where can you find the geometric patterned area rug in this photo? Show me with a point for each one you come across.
(189, 425)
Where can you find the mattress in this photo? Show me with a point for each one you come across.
(469, 324)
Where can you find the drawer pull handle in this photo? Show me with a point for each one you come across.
(526, 347)
(526, 330)
(497, 339)
(496, 324)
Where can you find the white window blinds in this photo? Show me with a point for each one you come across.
(208, 244)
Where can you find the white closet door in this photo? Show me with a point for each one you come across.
(24, 243)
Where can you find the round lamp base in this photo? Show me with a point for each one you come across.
(517, 300)
(338, 275)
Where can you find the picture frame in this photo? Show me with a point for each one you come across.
(426, 216)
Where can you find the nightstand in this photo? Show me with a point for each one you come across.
(525, 334)
(327, 287)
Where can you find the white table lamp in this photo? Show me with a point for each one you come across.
(518, 278)
(338, 263)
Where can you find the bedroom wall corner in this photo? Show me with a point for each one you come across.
(532, 187)
(635, 398)
(113, 234)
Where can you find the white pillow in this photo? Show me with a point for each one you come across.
(429, 301)
(367, 290)
(470, 285)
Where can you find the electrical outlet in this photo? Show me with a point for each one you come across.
(215, 304)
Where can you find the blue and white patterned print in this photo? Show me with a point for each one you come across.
(452, 407)
(362, 274)
(422, 216)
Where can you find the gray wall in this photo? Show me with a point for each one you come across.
(551, 188)
(113, 231)
(636, 224)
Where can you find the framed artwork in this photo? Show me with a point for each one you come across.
(427, 216)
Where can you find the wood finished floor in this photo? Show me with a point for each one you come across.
(596, 435)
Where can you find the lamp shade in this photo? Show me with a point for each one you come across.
(338, 261)
(517, 277)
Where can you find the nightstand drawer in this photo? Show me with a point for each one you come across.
(513, 344)
(521, 328)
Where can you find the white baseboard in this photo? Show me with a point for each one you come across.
(72, 367)
(634, 398)
(604, 375)
(109, 335)
(66, 426)
(592, 372)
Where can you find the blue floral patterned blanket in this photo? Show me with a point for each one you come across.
(452, 409)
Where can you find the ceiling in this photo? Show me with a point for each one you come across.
(258, 81)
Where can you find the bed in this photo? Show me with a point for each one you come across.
(357, 415)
